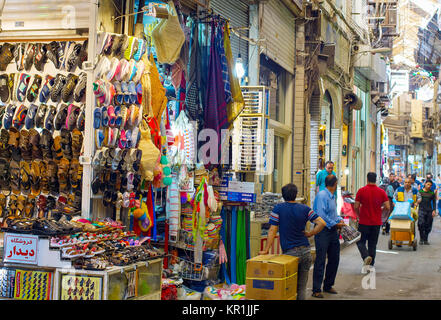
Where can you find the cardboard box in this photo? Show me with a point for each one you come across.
(272, 277)
(400, 225)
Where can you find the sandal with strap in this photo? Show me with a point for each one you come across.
(13, 142)
(46, 143)
(54, 185)
(12, 205)
(21, 204)
(25, 176)
(63, 175)
(3, 205)
(25, 146)
(41, 204)
(75, 172)
(66, 143)
(14, 170)
(77, 143)
(30, 206)
(56, 147)
(5, 153)
(6, 55)
(4, 175)
(34, 139)
(35, 177)
(44, 179)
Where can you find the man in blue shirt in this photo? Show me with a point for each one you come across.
(322, 174)
(290, 219)
(327, 241)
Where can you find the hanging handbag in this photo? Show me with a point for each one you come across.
(150, 153)
(168, 37)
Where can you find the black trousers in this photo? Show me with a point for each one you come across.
(369, 234)
(425, 221)
(327, 245)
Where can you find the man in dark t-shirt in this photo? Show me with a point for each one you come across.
(426, 211)
(289, 219)
(369, 204)
(393, 181)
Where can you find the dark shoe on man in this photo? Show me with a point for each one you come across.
(317, 295)
(332, 290)
(426, 242)
(421, 241)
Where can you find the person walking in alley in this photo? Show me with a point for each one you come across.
(408, 192)
(393, 181)
(290, 218)
(405, 193)
(426, 211)
(327, 244)
(369, 204)
(415, 182)
(388, 188)
(322, 174)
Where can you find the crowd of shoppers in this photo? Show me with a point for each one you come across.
(373, 206)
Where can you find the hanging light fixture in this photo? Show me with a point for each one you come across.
(240, 70)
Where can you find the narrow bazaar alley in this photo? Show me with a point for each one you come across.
(400, 273)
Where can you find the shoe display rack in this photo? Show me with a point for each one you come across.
(116, 117)
(43, 90)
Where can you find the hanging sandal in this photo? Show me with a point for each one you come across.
(57, 148)
(54, 185)
(21, 204)
(29, 209)
(14, 170)
(4, 175)
(34, 139)
(35, 177)
(25, 146)
(2, 205)
(73, 176)
(44, 179)
(63, 175)
(66, 143)
(46, 144)
(77, 143)
(25, 177)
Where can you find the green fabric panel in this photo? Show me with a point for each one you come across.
(241, 247)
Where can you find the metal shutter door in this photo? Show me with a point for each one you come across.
(335, 145)
(278, 30)
(314, 155)
(25, 15)
(237, 11)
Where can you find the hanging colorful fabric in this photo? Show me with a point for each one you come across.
(235, 107)
(215, 114)
(158, 98)
(151, 209)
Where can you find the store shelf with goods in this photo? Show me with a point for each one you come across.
(140, 281)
